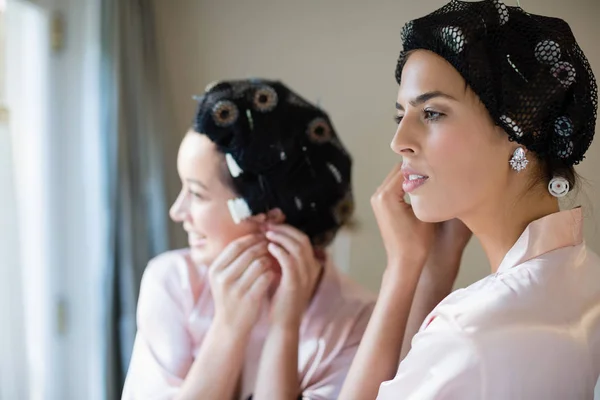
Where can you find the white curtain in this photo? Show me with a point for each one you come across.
(26, 306)
(54, 269)
(13, 366)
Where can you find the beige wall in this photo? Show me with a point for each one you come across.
(342, 53)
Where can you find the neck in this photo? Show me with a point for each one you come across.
(499, 226)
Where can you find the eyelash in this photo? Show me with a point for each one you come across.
(438, 115)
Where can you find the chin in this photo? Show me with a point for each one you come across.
(201, 256)
(427, 212)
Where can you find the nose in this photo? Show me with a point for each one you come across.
(180, 208)
(405, 142)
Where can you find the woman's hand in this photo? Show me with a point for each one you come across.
(300, 272)
(239, 280)
(407, 240)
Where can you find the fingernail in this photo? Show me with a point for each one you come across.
(270, 234)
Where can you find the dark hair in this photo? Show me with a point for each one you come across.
(551, 168)
(285, 154)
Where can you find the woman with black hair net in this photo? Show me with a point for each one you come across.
(494, 109)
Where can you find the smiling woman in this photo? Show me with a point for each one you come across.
(206, 190)
(253, 308)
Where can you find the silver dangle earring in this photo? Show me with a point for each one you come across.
(558, 186)
(519, 160)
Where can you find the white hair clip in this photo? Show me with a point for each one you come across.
(239, 209)
(234, 168)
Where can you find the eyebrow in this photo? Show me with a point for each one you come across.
(197, 182)
(425, 97)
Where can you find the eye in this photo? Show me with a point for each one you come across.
(431, 115)
(196, 195)
(398, 119)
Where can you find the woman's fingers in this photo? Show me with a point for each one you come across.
(234, 250)
(392, 174)
(296, 235)
(237, 267)
(285, 260)
(298, 246)
(391, 190)
(294, 248)
(257, 268)
(260, 286)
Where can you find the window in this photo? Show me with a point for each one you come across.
(27, 304)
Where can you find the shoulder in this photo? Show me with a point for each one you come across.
(168, 263)
(344, 294)
(331, 332)
(170, 269)
(528, 330)
(358, 304)
(549, 290)
(170, 278)
(351, 291)
(340, 309)
(538, 313)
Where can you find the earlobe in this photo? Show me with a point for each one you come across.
(260, 218)
(275, 216)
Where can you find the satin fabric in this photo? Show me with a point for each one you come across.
(530, 331)
(175, 311)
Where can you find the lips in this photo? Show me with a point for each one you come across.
(412, 179)
(196, 240)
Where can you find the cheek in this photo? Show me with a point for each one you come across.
(459, 161)
(213, 220)
(464, 169)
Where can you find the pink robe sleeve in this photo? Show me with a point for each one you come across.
(162, 353)
(439, 366)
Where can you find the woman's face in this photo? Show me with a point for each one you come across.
(455, 159)
(202, 203)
